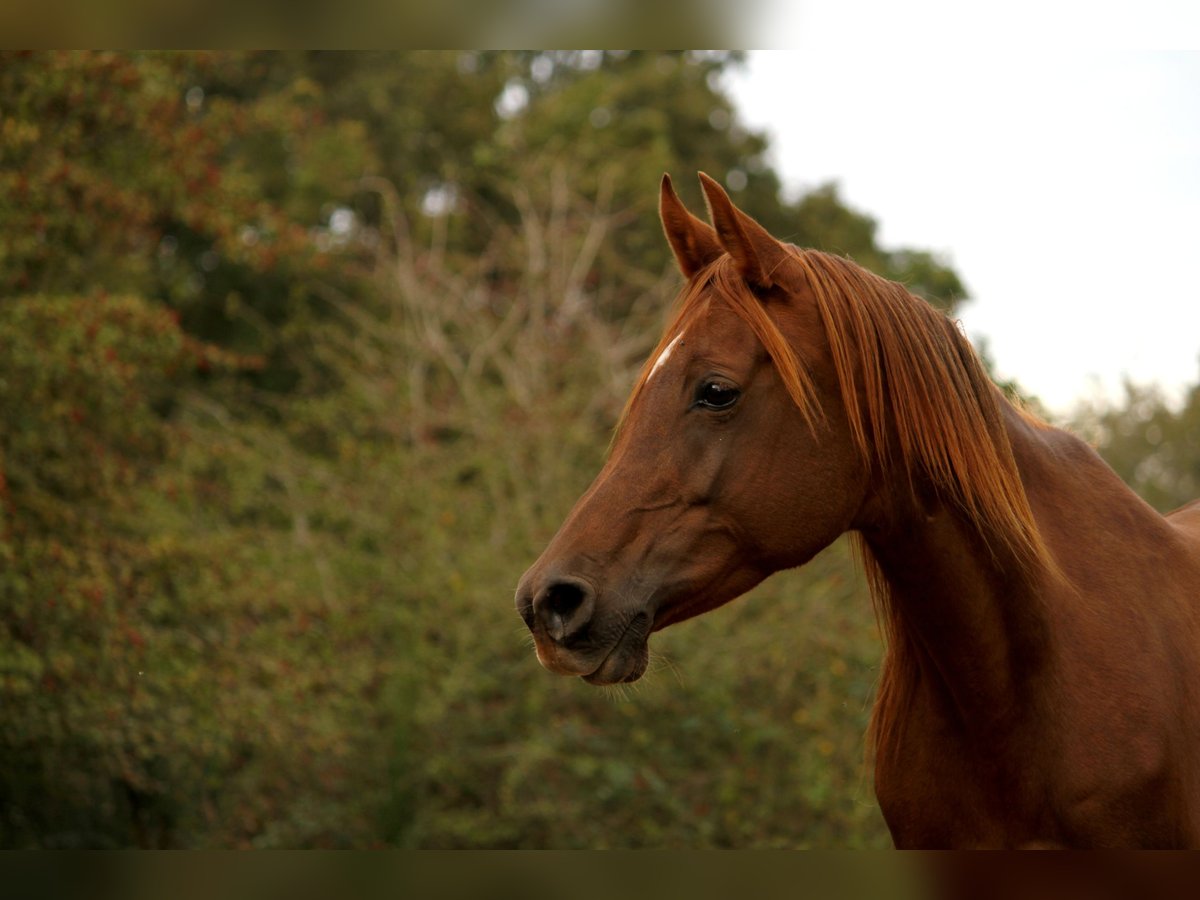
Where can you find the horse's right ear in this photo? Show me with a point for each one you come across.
(758, 255)
(694, 242)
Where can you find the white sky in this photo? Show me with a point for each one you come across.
(1062, 184)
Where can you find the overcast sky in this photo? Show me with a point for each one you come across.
(1063, 185)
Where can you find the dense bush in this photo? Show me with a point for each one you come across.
(177, 666)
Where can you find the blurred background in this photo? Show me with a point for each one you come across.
(303, 358)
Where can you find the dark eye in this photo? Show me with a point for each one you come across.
(717, 395)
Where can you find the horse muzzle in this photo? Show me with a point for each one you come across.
(574, 634)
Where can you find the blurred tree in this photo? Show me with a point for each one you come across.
(152, 624)
(167, 626)
(222, 170)
(625, 118)
(96, 138)
(1154, 447)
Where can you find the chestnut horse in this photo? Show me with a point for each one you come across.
(1041, 681)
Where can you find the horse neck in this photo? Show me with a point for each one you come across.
(980, 626)
(965, 615)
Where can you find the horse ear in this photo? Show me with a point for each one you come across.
(757, 254)
(693, 242)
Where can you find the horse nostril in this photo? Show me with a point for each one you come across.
(563, 599)
(564, 607)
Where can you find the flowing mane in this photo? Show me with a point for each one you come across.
(919, 403)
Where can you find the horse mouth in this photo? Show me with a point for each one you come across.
(629, 656)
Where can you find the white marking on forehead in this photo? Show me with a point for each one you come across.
(664, 356)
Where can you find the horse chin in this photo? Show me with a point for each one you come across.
(629, 656)
(623, 664)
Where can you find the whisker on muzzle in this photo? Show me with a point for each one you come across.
(621, 692)
(660, 662)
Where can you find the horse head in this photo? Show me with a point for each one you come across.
(734, 458)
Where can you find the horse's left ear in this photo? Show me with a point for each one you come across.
(758, 255)
(693, 242)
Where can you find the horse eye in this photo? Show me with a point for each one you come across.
(715, 395)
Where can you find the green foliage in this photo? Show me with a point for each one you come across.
(303, 358)
(93, 139)
(170, 670)
(1152, 445)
